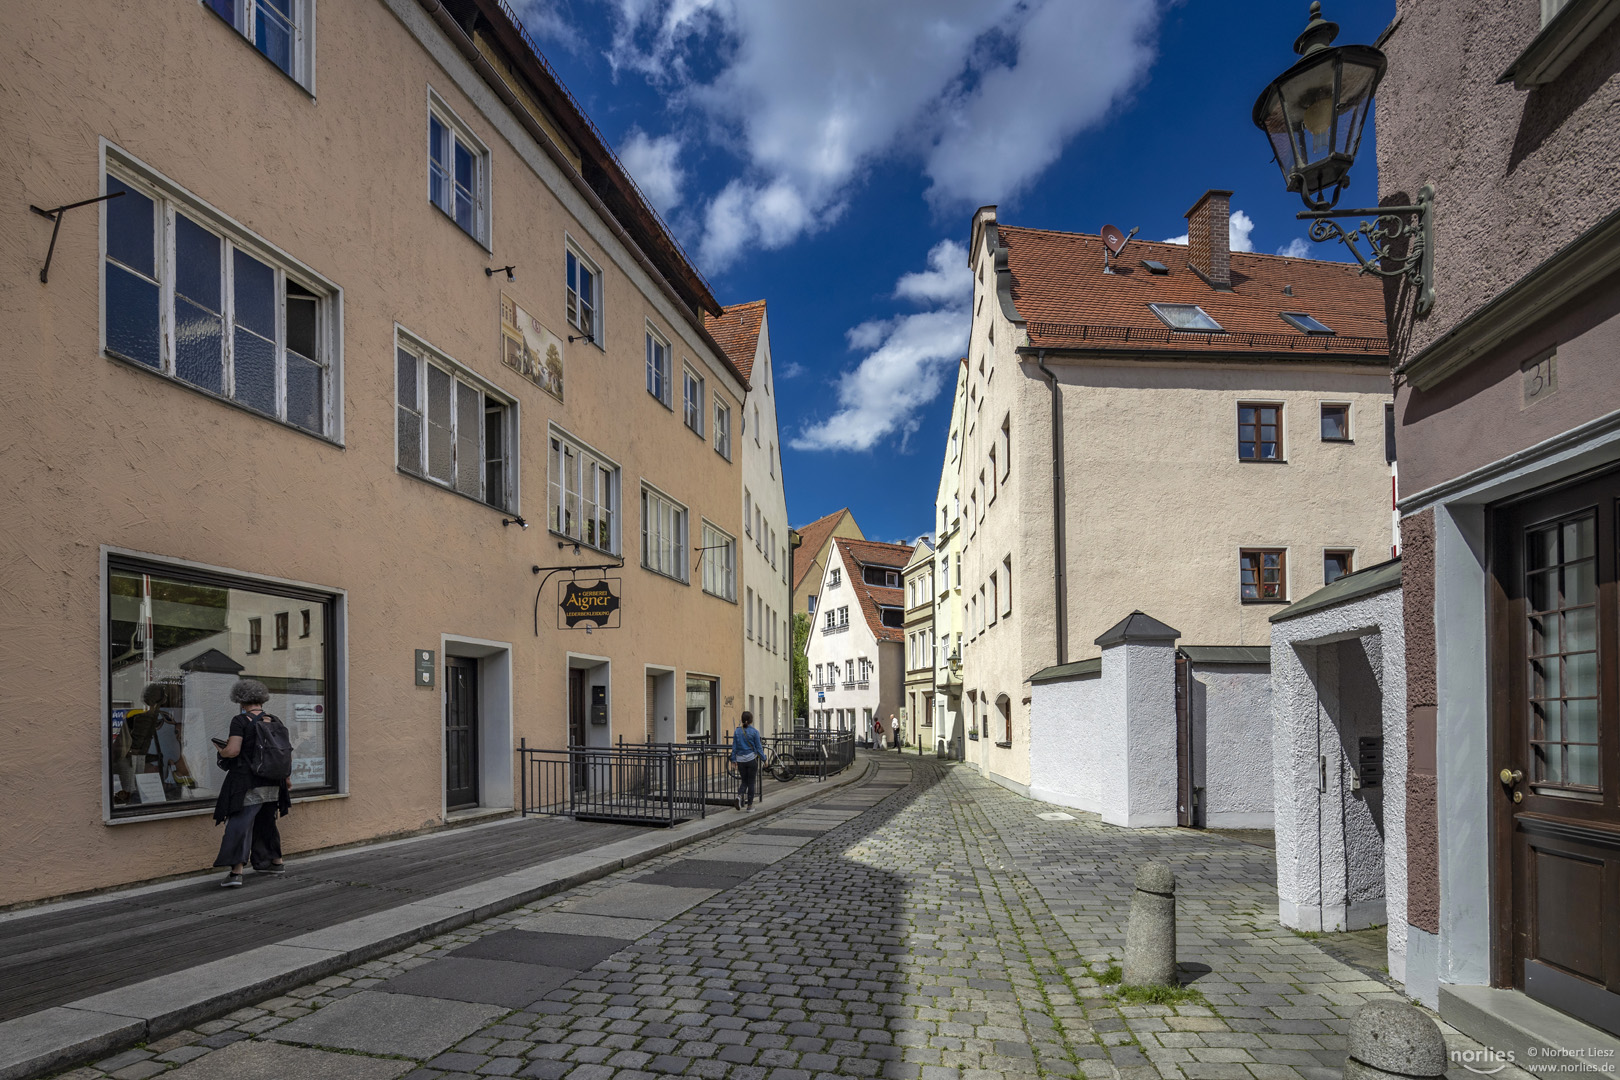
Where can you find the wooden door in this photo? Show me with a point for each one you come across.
(1555, 648)
(460, 732)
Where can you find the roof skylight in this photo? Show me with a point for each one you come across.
(1301, 321)
(1155, 266)
(1185, 317)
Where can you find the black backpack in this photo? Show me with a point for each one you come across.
(269, 755)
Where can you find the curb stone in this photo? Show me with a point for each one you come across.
(104, 1023)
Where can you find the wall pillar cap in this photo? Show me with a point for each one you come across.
(1137, 627)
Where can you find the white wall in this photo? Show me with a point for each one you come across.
(766, 671)
(844, 645)
(1336, 675)
(1231, 742)
(1065, 737)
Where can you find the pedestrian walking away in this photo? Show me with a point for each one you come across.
(746, 750)
(258, 759)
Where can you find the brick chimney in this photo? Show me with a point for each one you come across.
(1209, 238)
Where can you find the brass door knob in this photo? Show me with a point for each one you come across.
(1509, 777)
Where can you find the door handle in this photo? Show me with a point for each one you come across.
(1510, 778)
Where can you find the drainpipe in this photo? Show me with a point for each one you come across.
(1059, 550)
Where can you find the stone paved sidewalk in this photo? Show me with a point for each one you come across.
(925, 925)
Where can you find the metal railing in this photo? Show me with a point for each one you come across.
(661, 783)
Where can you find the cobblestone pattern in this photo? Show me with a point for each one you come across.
(947, 934)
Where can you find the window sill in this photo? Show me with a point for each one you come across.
(1560, 42)
(671, 577)
(432, 483)
(722, 596)
(206, 806)
(1005, 745)
(221, 398)
(1262, 461)
(279, 70)
(485, 248)
(1350, 441)
(1262, 602)
(698, 432)
(567, 540)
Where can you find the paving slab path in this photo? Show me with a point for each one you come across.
(923, 925)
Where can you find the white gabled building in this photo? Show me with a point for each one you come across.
(765, 594)
(949, 730)
(857, 644)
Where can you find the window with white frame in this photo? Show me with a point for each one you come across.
(583, 494)
(749, 616)
(283, 30)
(584, 302)
(663, 535)
(722, 428)
(192, 297)
(451, 428)
(719, 563)
(458, 171)
(748, 512)
(658, 367)
(692, 397)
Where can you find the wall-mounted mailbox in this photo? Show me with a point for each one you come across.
(598, 704)
(1370, 761)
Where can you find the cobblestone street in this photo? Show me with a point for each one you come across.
(924, 924)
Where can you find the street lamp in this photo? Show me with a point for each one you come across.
(1313, 115)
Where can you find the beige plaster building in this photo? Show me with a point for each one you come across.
(1195, 433)
(917, 721)
(291, 414)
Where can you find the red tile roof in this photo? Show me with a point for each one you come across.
(737, 331)
(1067, 301)
(858, 553)
(813, 536)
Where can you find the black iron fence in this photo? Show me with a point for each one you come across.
(664, 783)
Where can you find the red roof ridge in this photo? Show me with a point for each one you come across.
(812, 537)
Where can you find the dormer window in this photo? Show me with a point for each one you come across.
(892, 617)
(1304, 323)
(1185, 317)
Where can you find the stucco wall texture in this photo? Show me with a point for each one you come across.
(766, 669)
(1517, 176)
(1422, 812)
(102, 453)
(1337, 675)
(1231, 735)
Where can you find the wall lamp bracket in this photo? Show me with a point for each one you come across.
(491, 271)
(54, 215)
(587, 338)
(1381, 228)
(515, 520)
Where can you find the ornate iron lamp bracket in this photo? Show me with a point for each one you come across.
(1380, 229)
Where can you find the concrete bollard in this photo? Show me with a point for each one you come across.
(1389, 1038)
(1150, 935)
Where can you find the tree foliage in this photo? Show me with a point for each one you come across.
(801, 664)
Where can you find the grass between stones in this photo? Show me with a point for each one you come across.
(1159, 995)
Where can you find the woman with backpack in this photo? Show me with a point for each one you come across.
(249, 800)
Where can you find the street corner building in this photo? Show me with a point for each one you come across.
(1508, 421)
(1153, 448)
(362, 353)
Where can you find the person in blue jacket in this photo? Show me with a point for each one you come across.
(746, 750)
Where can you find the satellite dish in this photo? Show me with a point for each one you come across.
(1114, 242)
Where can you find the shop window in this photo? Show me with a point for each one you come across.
(701, 708)
(176, 641)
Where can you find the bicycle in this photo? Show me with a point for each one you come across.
(782, 766)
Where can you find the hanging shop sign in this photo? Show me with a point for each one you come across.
(594, 606)
(529, 349)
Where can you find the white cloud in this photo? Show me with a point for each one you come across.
(1297, 248)
(908, 358)
(885, 390)
(948, 279)
(654, 163)
(790, 370)
(983, 93)
(1239, 226)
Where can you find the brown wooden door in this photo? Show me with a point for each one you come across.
(1556, 719)
(460, 732)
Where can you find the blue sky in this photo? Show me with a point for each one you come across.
(827, 156)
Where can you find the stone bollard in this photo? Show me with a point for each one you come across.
(1389, 1038)
(1150, 936)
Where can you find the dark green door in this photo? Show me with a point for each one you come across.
(460, 732)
